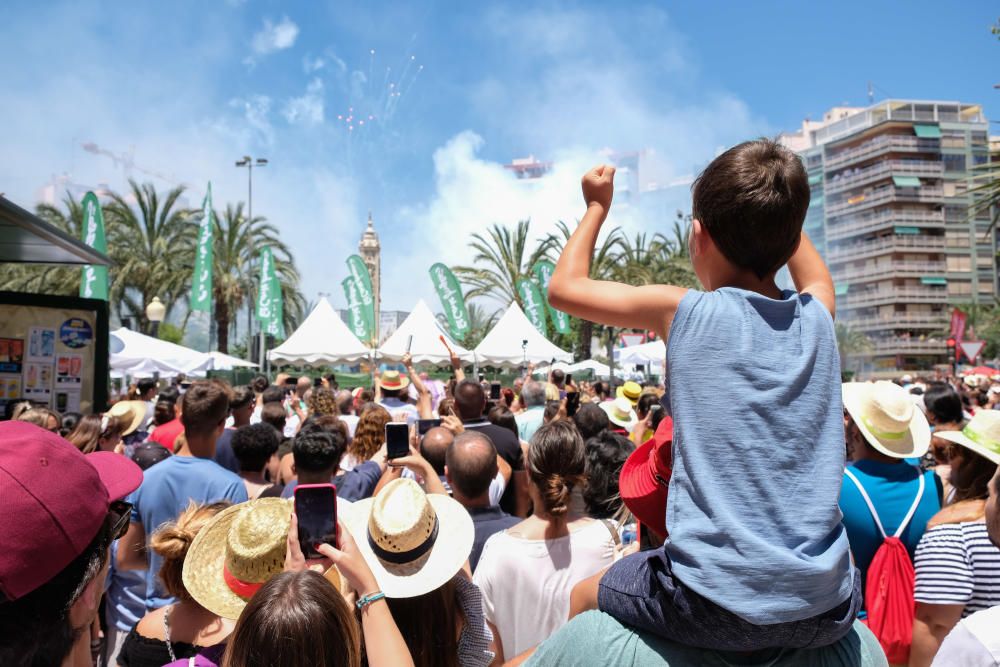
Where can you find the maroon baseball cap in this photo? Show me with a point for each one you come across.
(645, 476)
(53, 502)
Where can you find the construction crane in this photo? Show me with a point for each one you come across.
(127, 162)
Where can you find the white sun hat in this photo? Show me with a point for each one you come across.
(887, 418)
(981, 435)
(620, 412)
(413, 541)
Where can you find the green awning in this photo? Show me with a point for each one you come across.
(815, 178)
(933, 280)
(840, 289)
(927, 131)
(907, 230)
(906, 181)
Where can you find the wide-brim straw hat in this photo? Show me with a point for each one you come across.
(620, 412)
(630, 390)
(422, 540)
(393, 381)
(131, 414)
(981, 435)
(887, 418)
(238, 551)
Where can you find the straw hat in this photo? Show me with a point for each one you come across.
(620, 412)
(414, 542)
(131, 413)
(393, 381)
(237, 552)
(630, 390)
(981, 435)
(887, 418)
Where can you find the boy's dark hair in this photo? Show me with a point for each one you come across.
(35, 629)
(318, 451)
(943, 403)
(253, 446)
(752, 201)
(145, 385)
(274, 414)
(590, 420)
(241, 398)
(273, 394)
(205, 405)
(169, 394)
(502, 416)
(606, 454)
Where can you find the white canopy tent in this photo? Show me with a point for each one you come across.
(426, 346)
(321, 339)
(653, 353)
(139, 356)
(599, 369)
(225, 362)
(514, 340)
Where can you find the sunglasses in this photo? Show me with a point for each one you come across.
(120, 513)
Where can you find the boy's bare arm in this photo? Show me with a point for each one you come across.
(811, 275)
(572, 291)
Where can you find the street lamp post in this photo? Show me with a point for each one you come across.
(155, 312)
(250, 163)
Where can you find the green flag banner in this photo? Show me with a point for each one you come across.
(363, 281)
(450, 293)
(543, 272)
(276, 327)
(534, 308)
(266, 297)
(201, 284)
(356, 316)
(94, 279)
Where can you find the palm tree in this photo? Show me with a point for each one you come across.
(604, 266)
(501, 260)
(481, 321)
(237, 243)
(850, 342)
(153, 248)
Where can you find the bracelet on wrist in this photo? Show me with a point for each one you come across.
(366, 600)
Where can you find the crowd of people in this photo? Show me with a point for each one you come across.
(710, 519)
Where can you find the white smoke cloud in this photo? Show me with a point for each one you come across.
(274, 36)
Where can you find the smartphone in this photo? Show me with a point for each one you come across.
(316, 511)
(494, 391)
(569, 378)
(397, 439)
(424, 425)
(290, 382)
(482, 378)
(572, 403)
(409, 343)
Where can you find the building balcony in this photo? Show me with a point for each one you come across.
(894, 143)
(885, 297)
(909, 346)
(885, 169)
(915, 320)
(884, 246)
(901, 269)
(873, 222)
(885, 195)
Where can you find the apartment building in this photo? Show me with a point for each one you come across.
(890, 215)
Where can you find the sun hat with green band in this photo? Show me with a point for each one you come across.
(981, 435)
(887, 418)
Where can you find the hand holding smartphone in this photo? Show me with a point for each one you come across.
(397, 440)
(316, 512)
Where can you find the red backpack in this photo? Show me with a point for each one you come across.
(889, 585)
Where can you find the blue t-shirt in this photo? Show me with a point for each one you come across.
(758, 455)
(892, 488)
(126, 594)
(166, 490)
(224, 454)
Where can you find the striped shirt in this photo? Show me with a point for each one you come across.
(957, 564)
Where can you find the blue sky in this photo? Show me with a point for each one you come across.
(454, 91)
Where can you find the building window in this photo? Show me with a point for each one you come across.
(959, 288)
(953, 163)
(959, 263)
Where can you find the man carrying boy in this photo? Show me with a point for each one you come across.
(757, 556)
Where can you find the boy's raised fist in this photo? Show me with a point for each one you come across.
(599, 186)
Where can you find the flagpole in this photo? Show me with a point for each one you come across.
(249, 163)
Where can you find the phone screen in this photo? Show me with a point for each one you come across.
(316, 511)
(572, 403)
(424, 425)
(397, 439)
(494, 391)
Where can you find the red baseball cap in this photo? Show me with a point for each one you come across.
(53, 501)
(644, 478)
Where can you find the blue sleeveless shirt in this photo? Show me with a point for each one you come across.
(758, 450)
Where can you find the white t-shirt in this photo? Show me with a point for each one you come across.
(351, 421)
(526, 583)
(974, 642)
